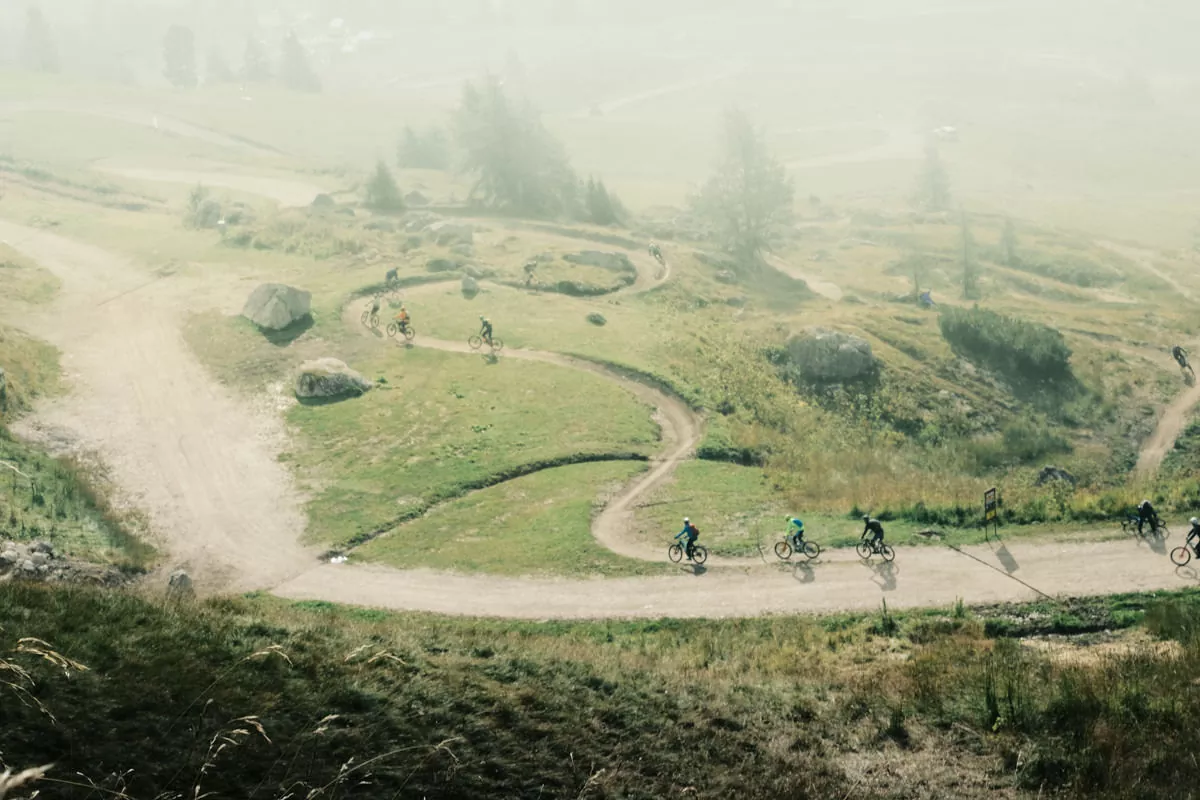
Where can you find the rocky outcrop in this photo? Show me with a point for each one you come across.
(448, 234)
(828, 356)
(39, 561)
(327, 379)
(275, 306)
(1049, 474)
(470, 287)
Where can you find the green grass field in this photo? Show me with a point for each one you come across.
(535, 525)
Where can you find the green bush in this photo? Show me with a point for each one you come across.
(1021, 350)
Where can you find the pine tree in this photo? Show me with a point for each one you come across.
(179, 57)
(1009, 245)
(429, 150)
(256, 68)
(749, 199)
(933, 189)
(38, 52)
(600, 208)
(382, 192)
(970, 267)
(517, 164)
(295, 71)
(216, 68)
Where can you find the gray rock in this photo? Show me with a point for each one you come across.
(39, 559)
(829, 356)
(28, 567)
(415, 198)
(618, 262)
(470, 286)
(1051, 473)
(446, 234)
(726, 276)
(9, 558)
(179, 585)
(43, 547)
(327, 378)
(274, 306)
(464, 250)
(597, 319)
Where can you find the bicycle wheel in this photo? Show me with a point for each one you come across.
(391, 329)
(410, 333)
(889, 555)
(374, 320)
(783, 550)
(699, 554)
(497, 344)
(1181, 556)
(864, 550)
(475, 342)
(675, 553)
(812, 549)
(366, 316)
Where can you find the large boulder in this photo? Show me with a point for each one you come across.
(275, 306)
(1050, 474)
(827, 356)
(447, 234)
(470, 287)
(327, 378)
(618, 262)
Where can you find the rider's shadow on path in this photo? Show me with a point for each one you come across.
(1158, 544)
(883, 575)
(695, 569)
(1187, 573)
(804, 573)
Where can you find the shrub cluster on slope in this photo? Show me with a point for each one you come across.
(1021, 350)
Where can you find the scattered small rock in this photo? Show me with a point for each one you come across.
(179, 586)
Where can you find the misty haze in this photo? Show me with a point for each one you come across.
(580, 399)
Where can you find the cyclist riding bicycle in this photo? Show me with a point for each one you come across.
(376, 302)
(1146, 513)
(1194, 533)
(485, 329)
(393, 275)
(402, 319)
(530, 269)
(1180, 355)
(692, 533)
(656, 252)
(873, 527)
(795, 531)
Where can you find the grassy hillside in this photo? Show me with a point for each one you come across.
(254, 698)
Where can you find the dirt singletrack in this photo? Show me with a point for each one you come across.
(1174, 419)
(198, 462)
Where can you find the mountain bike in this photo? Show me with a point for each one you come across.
(476, 342)
(1181, 555)
(370, 318)
(409, 331)
(788, 546)
(676, 553)
(867, 549)
(1132, 524)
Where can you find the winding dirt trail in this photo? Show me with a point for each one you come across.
(200, 463)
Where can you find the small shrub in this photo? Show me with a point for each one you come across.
(597, 319)
(1021, 350)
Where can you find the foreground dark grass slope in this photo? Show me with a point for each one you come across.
(252, 698)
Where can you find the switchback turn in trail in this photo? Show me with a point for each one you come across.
(202, 464)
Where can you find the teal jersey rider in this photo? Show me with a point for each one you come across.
(795, 528)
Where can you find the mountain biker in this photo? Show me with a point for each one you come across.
(873, 527)
(1146, 513)
(376, 302)
(1180, 355)
(1194, 533)
(692, 533)
(402, 319)
(393, 275)
(485, 329)
(795, 531)
(530, 269)
(656, 252)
